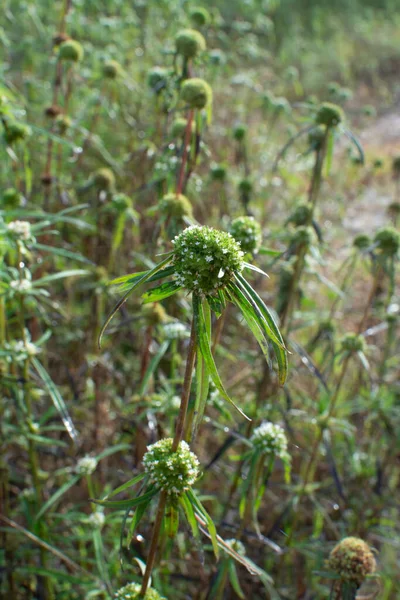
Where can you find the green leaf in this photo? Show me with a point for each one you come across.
(124, 298)
(162, 291)
(202, 381)
(61, 252)
(137, 517)
(124, 504)
(61, 275)
(203, 342)
(197, 505)
(57, 495)
(188, 509)
(112, 450)
(56, 398)
(125, 486)
(153, 366)
(171, 520)
(256, 269)
(215, 305)
(234, 580)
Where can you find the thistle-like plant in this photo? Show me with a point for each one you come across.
(208, 264)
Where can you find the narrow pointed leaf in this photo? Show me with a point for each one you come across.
(57, 495)
(153, 367)
(162, 291)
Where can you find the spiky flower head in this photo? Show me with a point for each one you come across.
(239, 132)
(176, 206)
(15, 132)
(154, 313)
(352, 559)
(329, 114)
(362, 241)
(112, 69)
(157, 79)
(62, 124)
(132, 592)
(70, 50)
(353, 342)
(206, 259)
(237, 546)
(103, 179)
(196, 93)
(388, 241)
(86, 465)
(247, 231)
(270, 439)
(189, 43)
(20, 229)
(179, 127)
(301, 214)
(218, 172)
(199, 16)
(11, 198)
(172, 471)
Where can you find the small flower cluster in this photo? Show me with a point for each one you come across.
(352, 342)
(21, 350)
(206, 259)
(174, 472)
(20, 229)
(175, 205)
(86, 465)
(96, 520)
(132, 591)
(21, 285)
(352, 559)
(246, 231)
(270, 439)
(175, 331)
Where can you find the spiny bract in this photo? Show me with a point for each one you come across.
(270, 439)
(132, 591)
(352, 560)
(172, 471)
(206, 259)
(246, 231)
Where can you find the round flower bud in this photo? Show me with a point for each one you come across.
(176, 206)
(86, 465)
(14, 132)
(396, 165)
(173, 472)
(62, 124)
(189, 43)
(316, 137)
(352, 559)
(11, 198)
(303, 235)
(178, 128)
(20, 229)
(206, 259)
(237, 546)
(154, 314)
(245, 186)
(270, 439)
(112, 69)
(329, 114)
(199, 16)
(157, 79)
(239, 132)
(103, 179)
(246, 231)
(388, 241)
(362, 241)
(301, 214)
(196, 93)
(71, 51)
(218, 172)
(132, 592)
(352, 342)
(121, 202)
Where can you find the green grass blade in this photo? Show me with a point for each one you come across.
(57, 495)
(125, 486)
(153, 366)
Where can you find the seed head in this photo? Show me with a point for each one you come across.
(217, 57)
(206, 259)
(103, 179)
(189, 43)
(21, 285)
(175, 331)
(111, 69)
(303, 236)
(281, 105)
(71, 51)
(388, 240)
(199, 16)
(132, 592)
(369, 110)
(352, 342)
(329, 114)
(333, 88)
(271, 440)
(352, 559)
(174, 472)
(86, 465)
(196, 93)
(157, 79)
(97, 519)
(247, 231)
(53, 111)
(176, 206)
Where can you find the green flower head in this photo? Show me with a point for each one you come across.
(103, 179)
(301, 215)
(352, 559)
(179, 127)
(11, 198)
(218, 172)
(189, 43)
(329, 114)
(157, 79)
(15, 132)
(199, 16)
(270, 439)
(132, 592)
(112, 69)
(247, 231)
(206, 259)
(172, 471)
(245, 186)
(239, 132)
(388, 241)
(303, 236)
(176, 206)
(362, 241)
(71, 51)
(196, 93)
(352, 342)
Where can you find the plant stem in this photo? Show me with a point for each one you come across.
(188, 132)
(154, 543)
